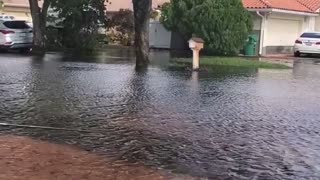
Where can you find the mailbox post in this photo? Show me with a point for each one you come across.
(196, 44)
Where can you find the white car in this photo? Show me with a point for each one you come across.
(307, 43)
(15, 35)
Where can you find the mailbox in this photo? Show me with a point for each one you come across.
(196, 44)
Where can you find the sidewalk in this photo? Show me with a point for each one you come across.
(24, 158)
(278, 56)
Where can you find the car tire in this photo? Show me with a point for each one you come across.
(2, 50)
(24, 50)
(297, 54)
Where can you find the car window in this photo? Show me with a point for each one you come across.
(16, 24)
(311, 35)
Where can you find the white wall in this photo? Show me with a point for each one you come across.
(317, 23)
(311, 24)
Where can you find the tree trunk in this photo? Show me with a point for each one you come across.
(39, 18)
(142, 11)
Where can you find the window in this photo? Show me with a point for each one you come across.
(16, 24)
(311, 35)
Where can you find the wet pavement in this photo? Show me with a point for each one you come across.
(229, 124)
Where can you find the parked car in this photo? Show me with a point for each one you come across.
(307, 43)
(15, 34)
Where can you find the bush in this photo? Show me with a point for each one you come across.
(121, 27)
(80, 22)
(54, 38)
(223, 24)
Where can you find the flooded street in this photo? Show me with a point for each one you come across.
(230, 124)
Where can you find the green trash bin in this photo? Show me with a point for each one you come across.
(251, 46)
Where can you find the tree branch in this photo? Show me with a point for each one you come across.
(45, 7)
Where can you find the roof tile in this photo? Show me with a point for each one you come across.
(314, 5)
(254, 4)
(293, 5)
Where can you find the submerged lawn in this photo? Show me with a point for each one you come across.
(211, 62)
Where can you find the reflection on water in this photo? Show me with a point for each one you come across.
(231, 123)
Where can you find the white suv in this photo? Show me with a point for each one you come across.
(15, 35)
(307, 43)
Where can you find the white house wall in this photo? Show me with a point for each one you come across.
(317, 24)
(311, 24)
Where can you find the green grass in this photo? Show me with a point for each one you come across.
(213, 62)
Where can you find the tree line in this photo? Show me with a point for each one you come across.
(224, 25)
(84, 17)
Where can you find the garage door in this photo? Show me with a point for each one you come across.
(282, 32)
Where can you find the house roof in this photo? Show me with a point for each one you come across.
(314, 5)
(309, 6)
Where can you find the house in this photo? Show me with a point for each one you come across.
(17, 8)
(278, 23)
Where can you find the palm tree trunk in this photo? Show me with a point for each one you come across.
(142, 11)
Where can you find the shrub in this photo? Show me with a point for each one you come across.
(80, 21)
(121, 27)
(223, 24)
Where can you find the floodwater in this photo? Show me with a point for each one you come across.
(229, 124)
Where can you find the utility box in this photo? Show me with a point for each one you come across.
(159, 36)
